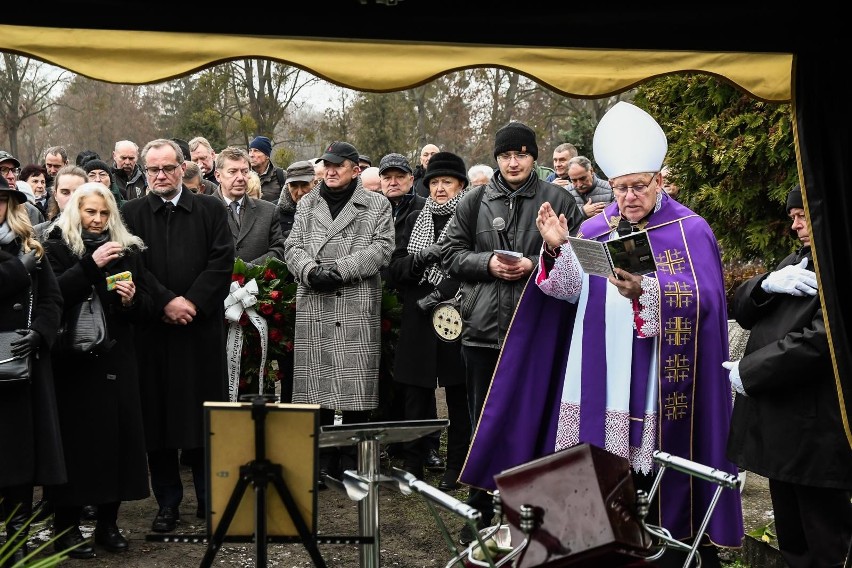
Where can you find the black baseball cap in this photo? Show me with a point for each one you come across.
(339, 151)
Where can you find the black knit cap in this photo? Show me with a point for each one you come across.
(445, 164)
(794, 198)
(515, 137)
(92, 165)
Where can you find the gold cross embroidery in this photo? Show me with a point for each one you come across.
(671, 261)
(675, 406)
(676, 368)
(678, 294)
(678, 330)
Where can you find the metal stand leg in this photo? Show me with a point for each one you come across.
(368, 507)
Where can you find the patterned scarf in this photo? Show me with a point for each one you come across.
(423, 233)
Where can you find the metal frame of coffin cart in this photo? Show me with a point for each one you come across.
(576, 508)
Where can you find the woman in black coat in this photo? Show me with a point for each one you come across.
(30, 444)
(423, 361)
(98, 395)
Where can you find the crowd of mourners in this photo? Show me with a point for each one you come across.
(540, 357)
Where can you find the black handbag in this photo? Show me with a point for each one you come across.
(85, 327)
(15, 369)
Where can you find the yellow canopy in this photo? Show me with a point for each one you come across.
(109, 55)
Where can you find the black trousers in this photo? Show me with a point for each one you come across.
(813, 524)
(479, 363)
(419, 403)
(166, 484)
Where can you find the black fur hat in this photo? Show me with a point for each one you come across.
(445, 164)
(515, 137)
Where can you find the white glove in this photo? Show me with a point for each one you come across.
(734, 376)
(793, 279)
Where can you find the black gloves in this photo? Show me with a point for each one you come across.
(430, 300)
(29, 261)
(26, 344)
(426, 256)
(324, 279)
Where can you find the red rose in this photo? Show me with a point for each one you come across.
(269, 274)
(238, 278)
(266, 309)
(278, 317)
(244, 319)
(243, 383)
(275, 295)
(288, 346)
(386, 325)
(275, 335)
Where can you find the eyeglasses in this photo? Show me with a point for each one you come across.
(507, 157)
(168, 170)
(637, 189)
(5, 170)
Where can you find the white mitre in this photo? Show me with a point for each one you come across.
(628, 141)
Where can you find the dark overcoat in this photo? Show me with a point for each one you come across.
(422, 358)
(788, 428)
(30, 444)
(100, 410)
(191, 254)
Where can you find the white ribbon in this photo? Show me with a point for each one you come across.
(239, 301)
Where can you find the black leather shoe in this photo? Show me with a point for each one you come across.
(449, 481)
(434, 462)
(89, 513)
(166, 520)
(110, 538)
(74, 545)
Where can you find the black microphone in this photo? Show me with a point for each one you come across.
(624, 227)
(499, 225)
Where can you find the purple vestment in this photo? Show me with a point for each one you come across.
(520, 415)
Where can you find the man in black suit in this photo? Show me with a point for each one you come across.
(182, 363)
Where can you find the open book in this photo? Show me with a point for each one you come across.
(631, 253)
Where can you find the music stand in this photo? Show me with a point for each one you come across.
(363, 485)
(260, 472)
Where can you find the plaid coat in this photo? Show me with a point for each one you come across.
(338, 334)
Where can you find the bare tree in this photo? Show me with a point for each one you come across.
(94, 115)
(266, 92)
(27, 88)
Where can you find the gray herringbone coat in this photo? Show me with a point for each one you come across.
(338, 334)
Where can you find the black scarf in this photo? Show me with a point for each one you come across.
(93, 240)
(510, 193)
(337, 200)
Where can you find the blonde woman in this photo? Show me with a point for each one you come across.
(31, 448)
(253, 189)
(100, 408)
